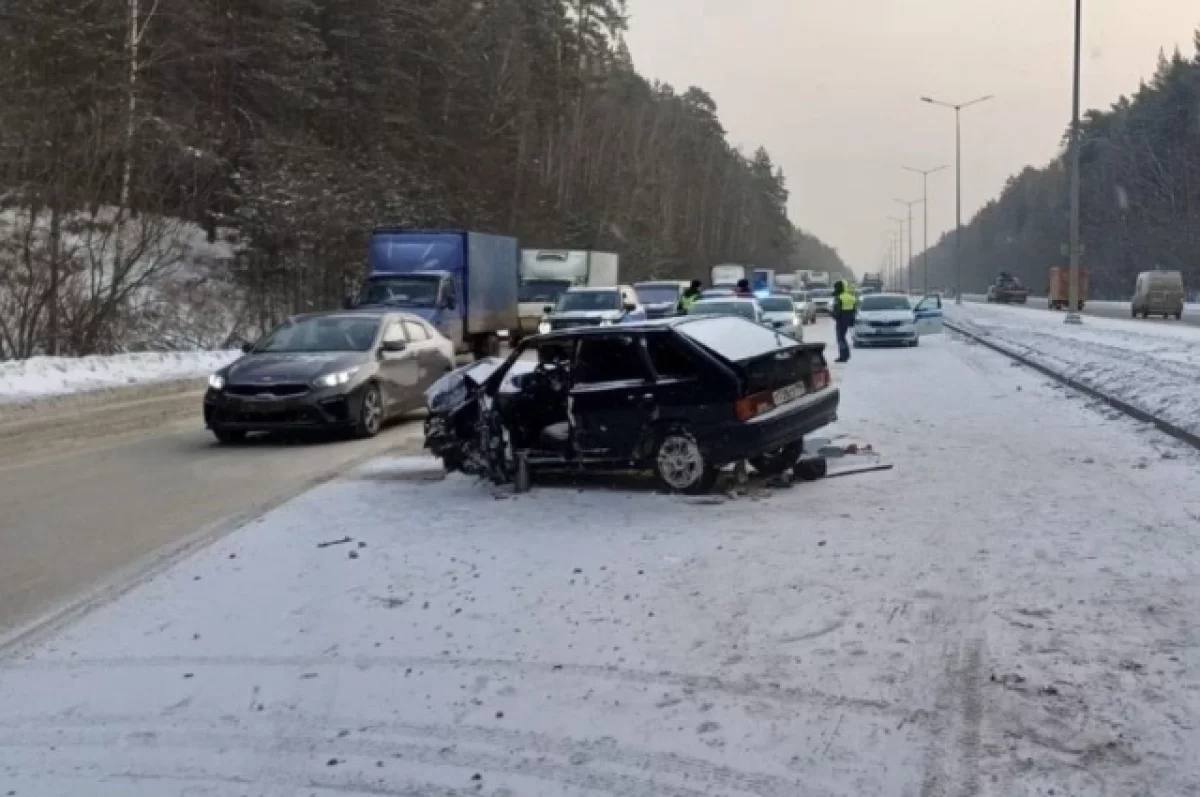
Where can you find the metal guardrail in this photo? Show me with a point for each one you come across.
(1164, 426)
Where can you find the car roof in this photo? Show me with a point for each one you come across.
(365, 312)
(733, 297)
(594, 289)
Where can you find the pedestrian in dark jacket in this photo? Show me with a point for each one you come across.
(743, 289)
(844, 311)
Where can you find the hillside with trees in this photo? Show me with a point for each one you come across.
(286, 129)
(1140, 197)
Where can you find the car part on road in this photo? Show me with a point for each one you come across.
(811, 469)
(776, 462)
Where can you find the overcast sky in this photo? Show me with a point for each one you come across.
(831, 88)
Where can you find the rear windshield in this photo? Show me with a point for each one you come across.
(735, 338)
(878, 302)
(657, 294)
(744, 309)
(777, 304)
(589, 300)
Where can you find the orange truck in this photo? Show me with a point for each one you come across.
(1058, 294)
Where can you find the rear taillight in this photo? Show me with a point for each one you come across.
(821, 379)
(753, 406)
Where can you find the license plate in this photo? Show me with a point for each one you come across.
(790, 393)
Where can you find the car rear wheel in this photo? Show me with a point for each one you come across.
(680, 464)
(915, 342)
(778, 461)
(370, 413)
(228, 436)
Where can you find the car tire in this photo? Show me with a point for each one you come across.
(370, 413)
(228, 437)
(680, 464)
(777, 462)
(811, 469)
(1133, 312)
(1179, 316)
(915, 343)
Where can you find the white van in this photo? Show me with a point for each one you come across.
(1158, 293)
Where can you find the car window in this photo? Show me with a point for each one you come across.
(777, 304)
(415, 331)
(669, 358)
(394, 332)
(322, 333)
(735, 338)
(609, 359)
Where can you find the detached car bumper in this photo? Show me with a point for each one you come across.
(327, 408)
(773, 430)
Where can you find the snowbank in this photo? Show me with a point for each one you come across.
(1154, 367)
(42, 377)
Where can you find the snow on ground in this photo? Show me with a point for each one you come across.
(43, 377)
(1153, 367)
(1012, 610)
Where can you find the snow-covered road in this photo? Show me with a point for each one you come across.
(1013, 609)
(1156, 368)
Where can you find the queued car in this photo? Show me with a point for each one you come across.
(892, 319)
(822, 299)
(681, 397)
(717, 293)
(1007, 289)
(779, 311)
(585, 307)
(805, 306)
(660, 297)
(741, 306)
(350, 370)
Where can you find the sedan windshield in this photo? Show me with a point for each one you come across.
(657, 294)
(583, 301)
(883, 302)
(326, 333)
(777, 304)
(406, 291)
(743, 309)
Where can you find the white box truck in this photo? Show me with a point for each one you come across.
(546, 274)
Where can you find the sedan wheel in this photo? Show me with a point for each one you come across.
(370, 413)
(680, 464)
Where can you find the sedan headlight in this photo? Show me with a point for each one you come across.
(216, 382)
(335, 379)
(543, 327)
(606, 322)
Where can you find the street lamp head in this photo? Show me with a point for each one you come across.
(927, 99)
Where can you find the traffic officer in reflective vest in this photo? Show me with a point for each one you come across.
(845, 304)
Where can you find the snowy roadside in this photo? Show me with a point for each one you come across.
(45, 377)
(1156, 368)
(1012, 610)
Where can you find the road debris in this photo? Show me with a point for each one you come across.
(329, 543)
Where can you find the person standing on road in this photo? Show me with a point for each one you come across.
(844, 311)
(690, 296)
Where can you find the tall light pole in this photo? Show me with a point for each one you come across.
(1072, 316)
(957, 106)
(925, 201)
(899, 239)
(908, 203)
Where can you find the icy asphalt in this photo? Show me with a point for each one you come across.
(1012, 609)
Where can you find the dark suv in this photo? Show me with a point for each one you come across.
(682, 397)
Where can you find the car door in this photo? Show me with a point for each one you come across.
(929, 315)
(399, 369)
(427, 354)
(612, 397)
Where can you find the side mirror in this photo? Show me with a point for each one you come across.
(629, 307)
(448, 303)
(393, 346)
(247, 348)
(548, 309)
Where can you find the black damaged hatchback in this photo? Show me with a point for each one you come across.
(681, 397)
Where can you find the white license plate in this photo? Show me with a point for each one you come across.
(790, 393)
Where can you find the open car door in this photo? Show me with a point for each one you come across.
(929, 316)
(613, 396)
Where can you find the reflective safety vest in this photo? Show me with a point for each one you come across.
(847, 300)
(686, 302)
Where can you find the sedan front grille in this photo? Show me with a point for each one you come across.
(280, 389)
(885, 324)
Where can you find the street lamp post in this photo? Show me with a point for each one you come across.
(1072, 316)
(899, 239)
(908, 203)
(957, 106)
(925, 202)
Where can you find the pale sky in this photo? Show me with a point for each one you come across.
(831, 88)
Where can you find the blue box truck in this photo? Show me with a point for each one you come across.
(463, 283)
